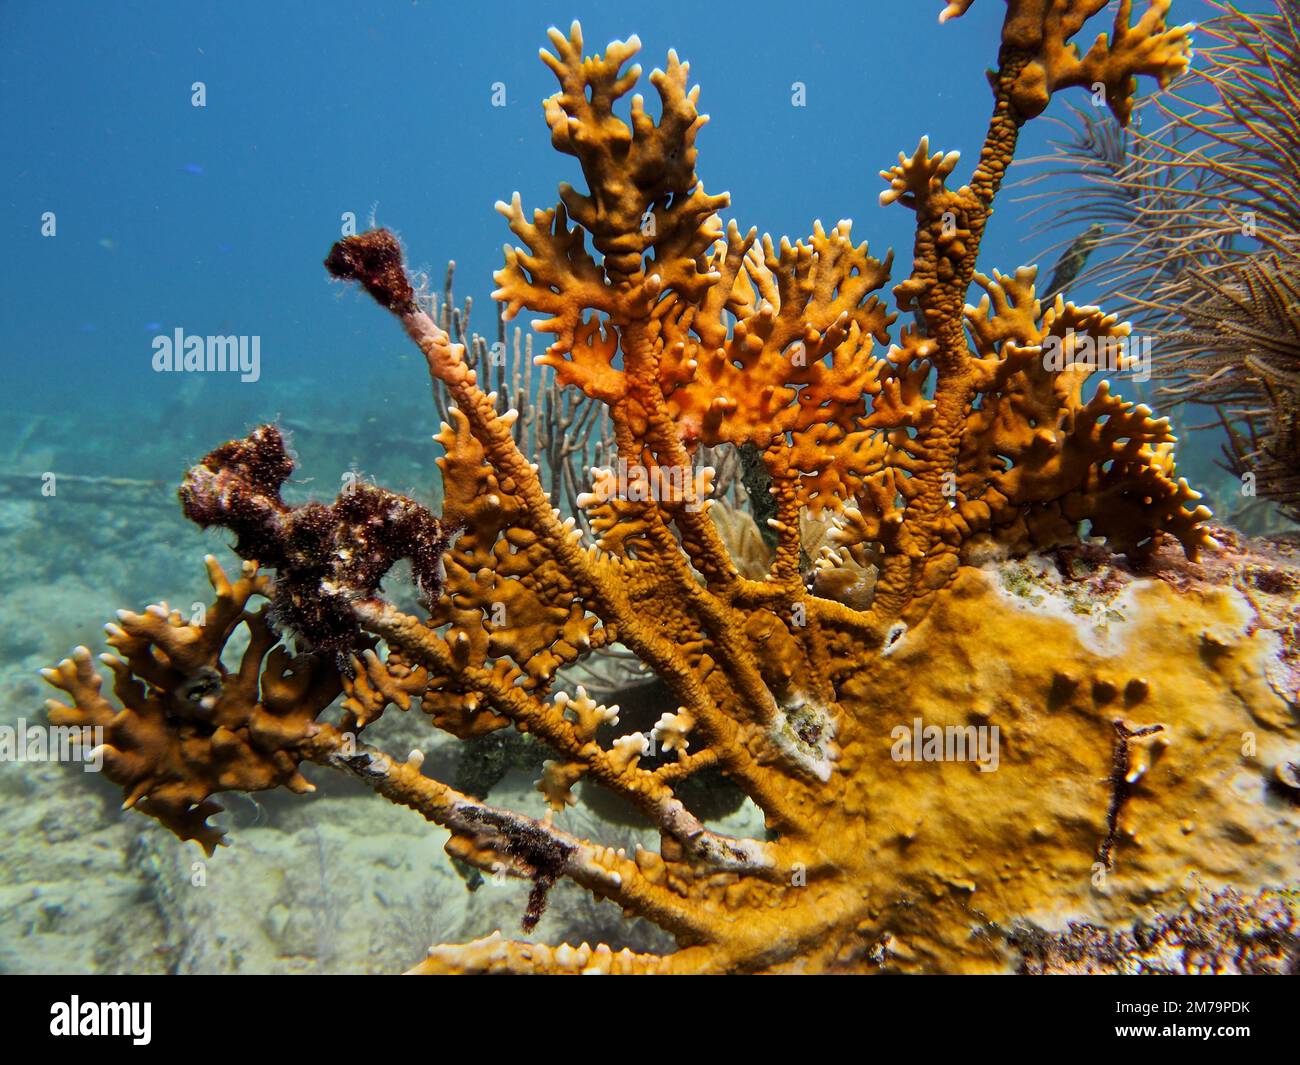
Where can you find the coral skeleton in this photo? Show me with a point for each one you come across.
(909, 469)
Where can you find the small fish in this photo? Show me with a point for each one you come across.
(192, 168)
(152, 327)
(108, 243)
(1072, 261)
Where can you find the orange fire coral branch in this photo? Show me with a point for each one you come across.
(967, 438)
(1036, 60)
(530, 848)
(188, 727)
(374, 260)
(613, 769)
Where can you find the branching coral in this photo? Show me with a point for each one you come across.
(190, 727)
(1203, 218)
(961, 441)
(561, 429)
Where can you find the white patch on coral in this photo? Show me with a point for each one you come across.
(1101, 622)
(1282, 677)
(804, 732)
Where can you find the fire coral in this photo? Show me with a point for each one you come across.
(951, 446)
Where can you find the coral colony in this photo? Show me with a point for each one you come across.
(1199, 244)
(1011, 560)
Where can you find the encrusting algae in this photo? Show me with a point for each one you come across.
(1143, 750)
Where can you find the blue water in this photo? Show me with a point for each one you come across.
(216, 219)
